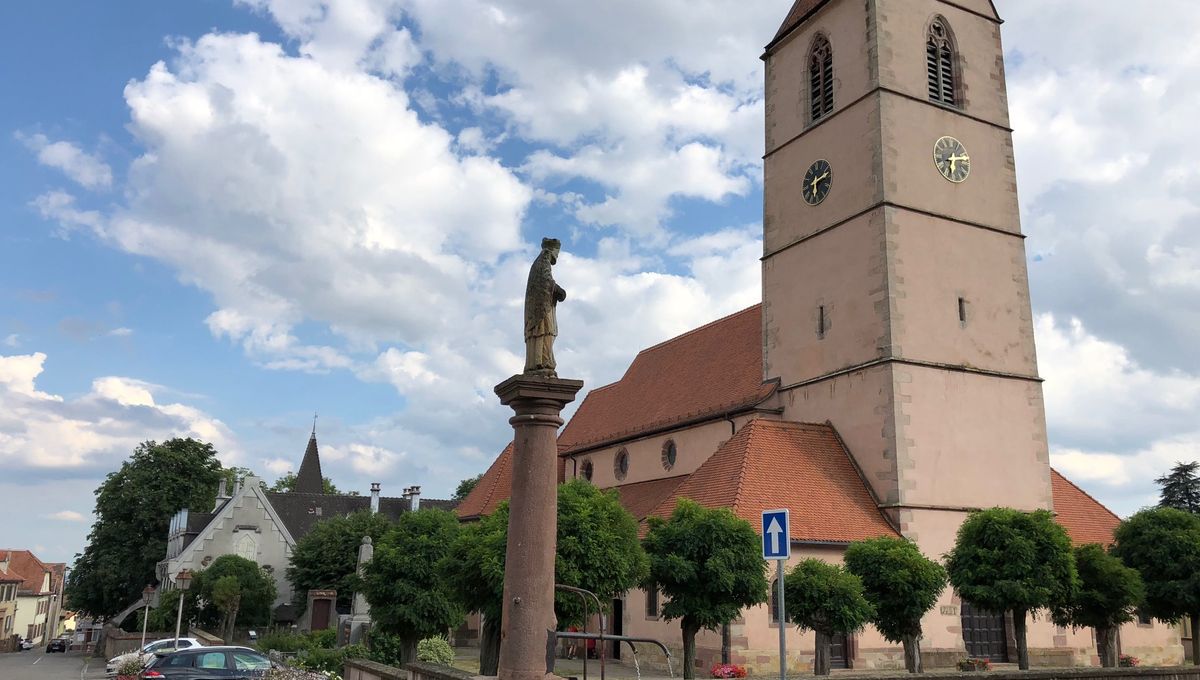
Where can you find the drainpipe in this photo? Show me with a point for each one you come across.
(374, 498)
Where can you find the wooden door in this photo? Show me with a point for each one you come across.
(984, 634)
(839, 651)
(320, 614)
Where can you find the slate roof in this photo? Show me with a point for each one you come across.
(707, 372)
(308, 479)
(300, 512)
(1085, 518)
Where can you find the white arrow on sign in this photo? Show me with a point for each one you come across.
(774, 530)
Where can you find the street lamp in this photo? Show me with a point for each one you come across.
(147, 594)
(183, 581)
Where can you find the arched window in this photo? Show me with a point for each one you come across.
(820, 78)
(939, 63)
(247, 548)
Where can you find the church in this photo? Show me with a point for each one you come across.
(887, 384)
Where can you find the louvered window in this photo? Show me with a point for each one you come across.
(820, 78)
(939, 64)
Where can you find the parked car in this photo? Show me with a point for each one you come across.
(148, 652)
(57, 645)
(25, 644)
(205, 663)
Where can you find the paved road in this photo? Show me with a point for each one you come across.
(37, 665)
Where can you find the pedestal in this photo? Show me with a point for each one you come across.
(528, 617)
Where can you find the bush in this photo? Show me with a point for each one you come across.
(131, 666)
(384, 648)
(435, 650)
(1127, 661)
(728, 670)
(293, 642)
(973, 664)
(324, 639)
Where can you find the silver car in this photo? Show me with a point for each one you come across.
(147, 652)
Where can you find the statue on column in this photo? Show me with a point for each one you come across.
(542, 296)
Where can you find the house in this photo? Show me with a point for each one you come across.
(39, 588)
(887, 384)
(264, 526)
(9, 583)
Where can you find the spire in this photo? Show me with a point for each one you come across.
(309, 479)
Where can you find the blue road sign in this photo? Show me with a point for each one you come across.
(777, 544)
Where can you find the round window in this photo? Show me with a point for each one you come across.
(668, 454)
(585, 470)
(621, 464)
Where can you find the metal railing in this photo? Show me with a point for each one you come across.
(602, 636)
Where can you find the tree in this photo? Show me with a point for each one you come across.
(1008, 560)
(708, 562)
(465, 487)
(1181, 488)
(229, 590)
(327, 557)
(597, 550)
(827, 599)
(134, 507)
(287, 484)
(1163, 544)
(1109, 593)
(403, 582)
(902, 585)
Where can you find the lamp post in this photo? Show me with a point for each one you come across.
(183, 581)
(146, 595)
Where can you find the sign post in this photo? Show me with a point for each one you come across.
(777, 545)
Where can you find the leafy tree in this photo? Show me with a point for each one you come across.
(327, 557)
(598, 550)
(827, 599)
(1008, 560)
(1181, 488)
(210, 602)
(134, 507)
(707, 561)
(287, 484)
(235, 474)
(1163, 544)
(465, 487)
(902, 585)
(403, 582)
(1108, 596)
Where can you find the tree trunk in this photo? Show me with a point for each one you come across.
(489, 646)
(1196, 639)
(1106, 646)
(689, 648)
(1019, 617)
(232, 624)
(912, 654)
(821, 660)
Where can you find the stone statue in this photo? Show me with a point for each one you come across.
(542, 295)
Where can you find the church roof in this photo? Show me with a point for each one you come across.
(308, 479)
(800, 11)
(1084, 518)
(780, 464)
(704, 373)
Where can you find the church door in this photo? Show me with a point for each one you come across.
(839, 651)
(984, 634)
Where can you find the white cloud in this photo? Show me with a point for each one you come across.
(68, 516)
(12, 340)
(120, 332)
(85, 169)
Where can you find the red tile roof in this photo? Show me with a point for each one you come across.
(493, 487)
(1084, 518)
(28, 567)
(641, 498)
(779, 464)
(706, 372)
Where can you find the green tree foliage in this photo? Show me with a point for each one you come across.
(474, 571)
(1163, 544)
(327, 557)
(1008, 560)
(827, 599)
(709, 564)
(287, 484)
(1109, 594)
(465, 487)
(1181, 488)
(209, 602)
(435, 650)
(902, 585)
(134, 507)
(403, 582)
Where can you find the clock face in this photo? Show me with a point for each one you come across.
(817, 182)
(951, 159)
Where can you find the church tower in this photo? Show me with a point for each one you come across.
(895, 292)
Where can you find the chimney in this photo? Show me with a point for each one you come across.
(415, 498)
(374, 498)
(236, 486)
(221, 497)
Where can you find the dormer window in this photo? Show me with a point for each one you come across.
(820, 78)
(940, 63)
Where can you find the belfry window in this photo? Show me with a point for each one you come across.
(939, 63)
(820, 78)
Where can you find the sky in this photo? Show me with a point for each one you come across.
(220, 217)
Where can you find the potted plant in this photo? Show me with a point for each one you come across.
(971, 664)
(1128, 661)
(728, 670)
(129, 668)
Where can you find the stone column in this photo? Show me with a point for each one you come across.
(360, 612)
(528, 616)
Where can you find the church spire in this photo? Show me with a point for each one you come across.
(309, 479)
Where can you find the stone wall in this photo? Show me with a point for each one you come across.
(1140, 673)
(361, 669)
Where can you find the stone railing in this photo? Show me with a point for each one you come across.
(361, 669)
(1092, 673)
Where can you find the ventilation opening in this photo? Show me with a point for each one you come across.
(962, 311)
(821, 321)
